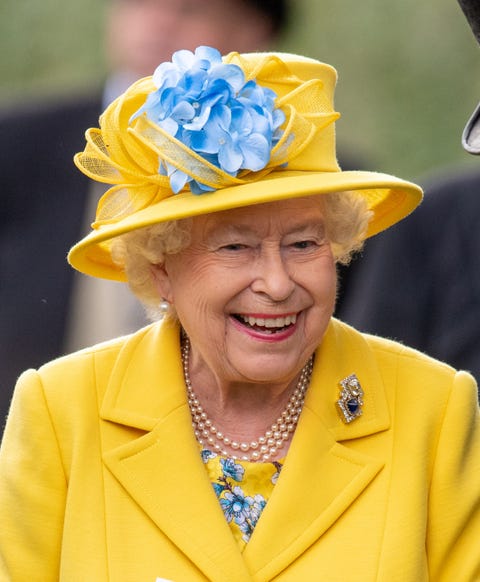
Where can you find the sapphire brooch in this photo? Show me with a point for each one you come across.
(351, 398)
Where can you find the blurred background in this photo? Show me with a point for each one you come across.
(409, 71)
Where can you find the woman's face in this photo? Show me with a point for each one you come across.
(254, 290)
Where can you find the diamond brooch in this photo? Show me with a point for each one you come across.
(351, 399)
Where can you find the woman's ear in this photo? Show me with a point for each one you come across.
(162, 282)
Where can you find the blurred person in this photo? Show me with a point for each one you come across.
(434, 258)
(248, 435)
(138, 32)
(45, 310)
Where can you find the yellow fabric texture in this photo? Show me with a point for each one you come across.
(126, 154)
(99, 457)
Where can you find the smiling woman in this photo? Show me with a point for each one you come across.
(246, 435)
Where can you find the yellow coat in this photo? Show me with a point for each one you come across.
(101, 478)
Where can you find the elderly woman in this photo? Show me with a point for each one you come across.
(245, 435)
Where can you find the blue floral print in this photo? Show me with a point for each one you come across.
(236, 506)
(206, 454)
(276, 475)
(257, 507)
(232, 469)
(241, 505)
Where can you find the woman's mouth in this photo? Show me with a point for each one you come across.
(267, 325)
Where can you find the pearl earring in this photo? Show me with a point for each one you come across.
(164, 307)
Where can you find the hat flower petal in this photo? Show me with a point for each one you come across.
(211, 108)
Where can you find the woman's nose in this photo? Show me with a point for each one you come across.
(272, 276)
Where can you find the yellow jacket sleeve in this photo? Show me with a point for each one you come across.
(453, 538)
(32, 489)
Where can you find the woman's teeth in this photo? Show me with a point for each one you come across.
(269, 322)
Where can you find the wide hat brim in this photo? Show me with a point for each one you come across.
(390, 199)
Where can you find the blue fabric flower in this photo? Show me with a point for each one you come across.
(219, 488)
(231, 469)
(250, 515)
(236, 506)
(209, 107)
(276, 475)
(256, 509)
(206, 455)
(247, 530)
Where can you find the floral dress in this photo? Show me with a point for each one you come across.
(243, 489)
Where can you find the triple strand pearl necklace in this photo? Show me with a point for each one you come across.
(265, 447)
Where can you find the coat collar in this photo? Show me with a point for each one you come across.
(317, 452)
(146, 391)
(146, 382)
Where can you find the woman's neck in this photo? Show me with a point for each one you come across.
(262, 416)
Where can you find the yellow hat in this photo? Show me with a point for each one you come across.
(147, 155)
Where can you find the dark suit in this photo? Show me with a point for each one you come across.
(419, 282)
(43, 202)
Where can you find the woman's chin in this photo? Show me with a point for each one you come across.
(266, 368)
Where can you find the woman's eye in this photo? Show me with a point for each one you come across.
(304, 244)
(233, 247)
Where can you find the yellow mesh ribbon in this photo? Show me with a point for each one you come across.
(128, 154)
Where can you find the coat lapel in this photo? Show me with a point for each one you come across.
(321, 477)
(190, 517)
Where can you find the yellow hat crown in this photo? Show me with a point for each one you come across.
(142, 158)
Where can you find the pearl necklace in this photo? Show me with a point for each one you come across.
(264, 447)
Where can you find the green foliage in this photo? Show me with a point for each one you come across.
(408, 70)
(408, 76)
(49, 46)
